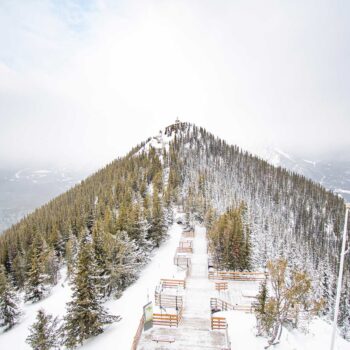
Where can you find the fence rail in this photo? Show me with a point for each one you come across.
(184, 250)
(237, 276)
(218, 323)
(166, 300)
(138, 334)
(182, 261)
(219, 286)
(186, 244)
(217, 304)
(188, 234)
(169, 320)
(171, 283)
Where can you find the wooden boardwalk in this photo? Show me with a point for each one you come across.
(194, 332)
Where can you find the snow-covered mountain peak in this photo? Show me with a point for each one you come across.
(166, 136)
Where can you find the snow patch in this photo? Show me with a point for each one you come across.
(242, 334)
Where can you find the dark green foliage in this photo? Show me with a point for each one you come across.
(262, 297)
(44, 333)
(85, 315)
(157, 229)
(229, 241)
(9, 313)
(35, 285)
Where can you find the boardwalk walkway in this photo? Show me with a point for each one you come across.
(194, 331)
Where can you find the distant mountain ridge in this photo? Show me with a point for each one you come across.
(332, 174)
(22, 190)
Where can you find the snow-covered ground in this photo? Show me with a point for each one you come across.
(55, 304)
(129, 306)
(241, 327)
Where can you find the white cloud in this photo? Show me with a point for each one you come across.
(84, 81)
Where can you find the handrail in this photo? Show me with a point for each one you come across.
(186, 244)
(219, 286)
(237, 276)
(138, 334)
(188, 250)
(167, 300)
(218, 322)
(182, 260)
(217, 305)
(172, 283)
(168, 319)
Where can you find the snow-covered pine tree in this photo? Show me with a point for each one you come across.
(344, 317)
(19, 268)
(35, 285)
(229, 240)
(9, 312)
(51, 266)
(138, 231)
(102, 247)
(157, 229)
(85, 316)
(71, 251)
(44, 333)
(263, 317)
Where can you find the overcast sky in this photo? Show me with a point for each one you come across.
(84, 81)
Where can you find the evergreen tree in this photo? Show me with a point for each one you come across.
(101, 246)
(264, 319)
(35, 286)
(71, 252)
(138, 230)
(19, 269)
(157, 229)
(344, 317)
(51, 265)
(9, 313)
(85, 315)
(229, 240)
(126, 260)
(44, 333)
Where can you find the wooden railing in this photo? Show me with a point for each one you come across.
(188, 250)
(219, 286)
(138, 334)
(170, 320)
(218, 323)
(188, 234)
(217, 305)
(166, 300)
(171, 283)
(183, 261)
(186, 244)
(237, 276)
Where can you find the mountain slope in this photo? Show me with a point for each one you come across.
(289, 214)
(23, 190)
(332, 174)
(130, 202)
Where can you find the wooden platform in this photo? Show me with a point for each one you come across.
(194, 331)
